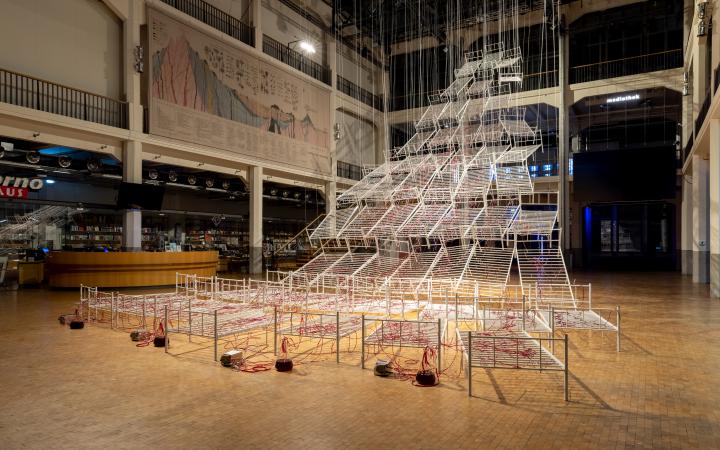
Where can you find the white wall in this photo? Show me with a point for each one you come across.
(359, 72)
(77, 43)
(357, 142)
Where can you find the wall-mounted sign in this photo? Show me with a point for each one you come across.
(623, 98)
(18, 187)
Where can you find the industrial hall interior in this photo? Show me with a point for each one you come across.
(334, 224)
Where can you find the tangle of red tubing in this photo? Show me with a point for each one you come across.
(159, 331)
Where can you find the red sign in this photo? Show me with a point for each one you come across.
(13, 192)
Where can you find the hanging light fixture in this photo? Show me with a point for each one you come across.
(192, 179)
(172, 176)
(64, 161)
(93, 165)
(32, 157)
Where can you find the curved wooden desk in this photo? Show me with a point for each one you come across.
(126, 269)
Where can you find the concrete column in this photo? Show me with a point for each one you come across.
(715, 207)
(331, 54)
(330, 201)
(255, 184)
(131, 41)
(564, 147)
(686, 227)
(256, 22)
(701, 219)
(132, 219)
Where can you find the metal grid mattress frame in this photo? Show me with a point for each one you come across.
(319, 326)
(534, 222)
(405, 333)
(493, 222)
(581, 319)
(508, 350)
(333, 223)
(423, 219)
(490, 265)
(363, 222)
(226, 320)
(389, 223)
(305, 275)
(455, 223)
(545, 269)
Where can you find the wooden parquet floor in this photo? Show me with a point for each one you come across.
(93, 388)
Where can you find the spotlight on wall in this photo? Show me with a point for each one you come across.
(226, 185)
(153, 174)
(6, 146)
(285, 194)
(209, 182)
(701, 31)
(273, 191)
(296, 196)
(192, 179)
(32, 157)
(307, 47)
(93, 165)
(172, 176)
(64, 161)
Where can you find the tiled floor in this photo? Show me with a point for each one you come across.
(93, 389)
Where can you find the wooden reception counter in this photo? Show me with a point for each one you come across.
(125, 269)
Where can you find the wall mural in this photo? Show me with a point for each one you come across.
(209, 93)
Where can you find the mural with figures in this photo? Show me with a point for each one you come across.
(259, 110)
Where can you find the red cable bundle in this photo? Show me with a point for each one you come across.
(283, 364)
(426, 376)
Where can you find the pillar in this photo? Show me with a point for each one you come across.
(331, 56)
(256, 22)
(714, 185)
(132, 218)
(563, 148)
(701, 218)
(255, 183)
(686, 226)
(131, 41)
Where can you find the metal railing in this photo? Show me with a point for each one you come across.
(29, 92)
(294, 59)
(687, 149)
(540, 80)
(349, 171)
(216, 18)
(627, 66)
(703, 112)
(353, 90)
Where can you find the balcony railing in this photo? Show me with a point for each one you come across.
(627, 66)
(687, 149)
(703, 112)
(216, 18)
(30, 92)
(349, 171)
(358, 93)
(540, 80)
(294, 59)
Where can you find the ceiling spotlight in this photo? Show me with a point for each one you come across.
(64, 161)
(93, 165)
(226, 185)
(273, 191)
(192, 179)
(307, 47)
(2, 152)
(32, 157)
(209, 182)
(153, 174)
(172, 176)
(296, 195)
(286, 194)
(307, 197)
